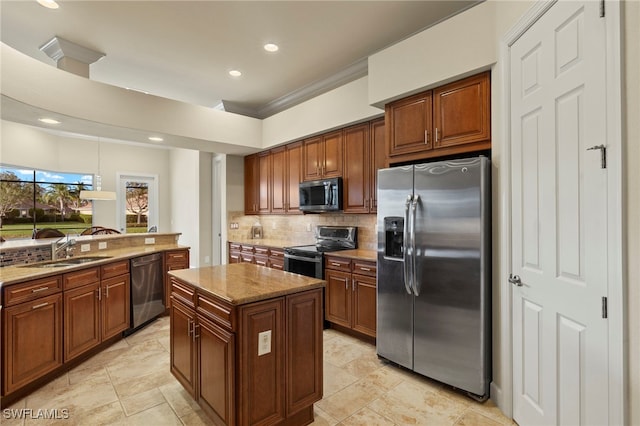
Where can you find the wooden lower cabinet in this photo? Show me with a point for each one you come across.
(351, 294)
(116, 302)
(221, 356)
(173, 260)
(81, 320)
(32, 341)
(270, 257)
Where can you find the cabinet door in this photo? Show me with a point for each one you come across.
(264, 182)
(462, 112)
(356, 169)
(279, 184)
(81, 319)
(261, 358)
(364, 304)
(293, 164)
(409, 125)
(261, 260)
(312, 158)
(251, 184)
(32, 345)
(304, 349)
(216, 371)
(234, 257)
(115, 305)
(332, 153)
(338, 297)
(181, 342)
(378, 160)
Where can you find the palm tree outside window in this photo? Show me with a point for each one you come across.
(35, 199)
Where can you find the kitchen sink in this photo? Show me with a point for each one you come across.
(72, 261)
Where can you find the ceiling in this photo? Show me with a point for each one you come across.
(183, 50)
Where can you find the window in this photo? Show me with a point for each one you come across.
(35, 199)
(137, 203)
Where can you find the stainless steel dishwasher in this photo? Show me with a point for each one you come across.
(147, 289)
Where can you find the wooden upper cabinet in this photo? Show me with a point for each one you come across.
(293, 166)
(378, 160)
(279, 187)
(332, 154)
(322, 156)
(357, 165)
(251, 184)
(409, 124)
(462, 112)
(264, 179)
(448, 120)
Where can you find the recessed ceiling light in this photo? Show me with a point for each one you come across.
(51, 4)
(270, 47)
(48, 120)
(235, 73)
(155, 138)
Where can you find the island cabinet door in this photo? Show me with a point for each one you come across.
(182, 343)
(216, 374)
(304, 350)
(261, 363)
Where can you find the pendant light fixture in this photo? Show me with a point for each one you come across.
(98, 194)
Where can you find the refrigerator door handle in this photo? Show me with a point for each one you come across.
(405, 246)
(414, 280)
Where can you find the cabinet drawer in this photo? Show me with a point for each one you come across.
(337, 263)
(80, 278)
(183, 292)
(276, 253)
(276, 263)
(14, 294)
(234, 247)
(246, 249)
(261, 260)
(216, 310)
(364, 268)
(114, 269)
(181, 257)
(261, 250)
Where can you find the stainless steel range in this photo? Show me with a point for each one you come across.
(309, 260)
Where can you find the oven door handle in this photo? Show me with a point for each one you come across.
(304, 259)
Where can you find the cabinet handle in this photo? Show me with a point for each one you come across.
(106, 292)
(40, 305)
(335, 264)
(99, 295)
(195, 336)
(362, 268)
(189, 326)
(346, 284)
(36, 290)
(353, 284)
(426, 137)
(436, 135)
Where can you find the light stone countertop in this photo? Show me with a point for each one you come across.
(271, 242)
(242, 283)
(21, 273)
(358, 254)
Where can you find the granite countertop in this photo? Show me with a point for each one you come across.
(271, 242)
(242, 283)
(358, 254)
(20, 273)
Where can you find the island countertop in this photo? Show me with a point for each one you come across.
(242, 283)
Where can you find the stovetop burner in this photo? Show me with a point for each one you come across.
(329, 238)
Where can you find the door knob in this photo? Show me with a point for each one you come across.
(515, 280)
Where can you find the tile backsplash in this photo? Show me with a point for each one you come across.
(299, 229)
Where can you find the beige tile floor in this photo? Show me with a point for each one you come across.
(130, 384)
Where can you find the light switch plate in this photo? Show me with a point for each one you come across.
(85, 247)
(264, 343)
(102, 245)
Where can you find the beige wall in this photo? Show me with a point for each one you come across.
(631, 135)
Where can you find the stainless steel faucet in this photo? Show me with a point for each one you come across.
(66, 246)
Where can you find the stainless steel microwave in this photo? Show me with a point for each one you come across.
(321, 195)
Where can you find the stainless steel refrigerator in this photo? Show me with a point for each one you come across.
(434, 271)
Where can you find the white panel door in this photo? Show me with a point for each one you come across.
(559, 217)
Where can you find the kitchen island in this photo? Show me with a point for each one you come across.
(246, 342)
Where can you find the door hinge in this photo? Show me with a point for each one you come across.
(602, 8)
(605, 314)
